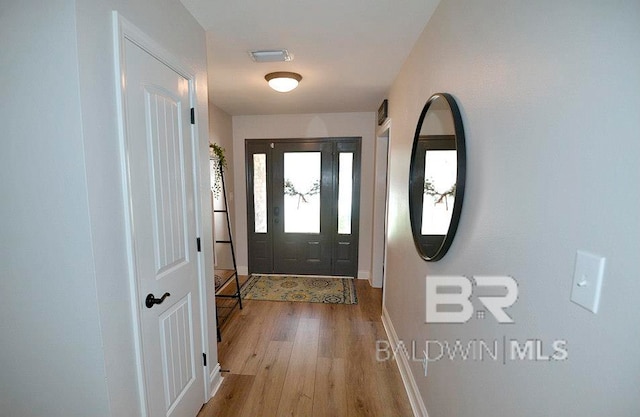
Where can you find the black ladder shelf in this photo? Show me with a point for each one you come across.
(223, 277)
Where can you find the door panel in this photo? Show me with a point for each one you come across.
(160, 165)
(259, 211)
(168, 193)
(178, 362)
(302, 190)
(311, 205)
(345, 247)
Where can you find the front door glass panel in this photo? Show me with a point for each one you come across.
(260, 192)
(345, 194)
(302, 173)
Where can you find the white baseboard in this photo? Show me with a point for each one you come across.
(373, 283)
(364, 274)
(215, 380)
(243, 270)
(415, 399)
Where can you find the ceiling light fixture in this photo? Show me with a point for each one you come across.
(283, 81)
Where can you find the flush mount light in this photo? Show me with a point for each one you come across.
(283, 81)
(271, 55)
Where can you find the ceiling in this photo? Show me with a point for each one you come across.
(348, 52)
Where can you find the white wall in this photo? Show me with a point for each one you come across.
(51, 354)
(307, 126)
(67, 344)
(549, 97)
(221, 132)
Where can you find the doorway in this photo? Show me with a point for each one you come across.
(303, 205)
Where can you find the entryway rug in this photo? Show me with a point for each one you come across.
(300, 288)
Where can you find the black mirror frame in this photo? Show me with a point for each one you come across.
(461, 158)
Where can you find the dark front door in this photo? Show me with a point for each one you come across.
(303, 205)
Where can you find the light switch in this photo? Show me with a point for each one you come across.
(587, 280)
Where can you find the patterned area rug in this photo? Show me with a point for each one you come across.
(300, 288)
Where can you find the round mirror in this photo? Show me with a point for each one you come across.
(436, 177)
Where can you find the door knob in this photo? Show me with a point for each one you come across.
(150, 301)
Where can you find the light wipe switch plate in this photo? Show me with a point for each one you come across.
(587, 280)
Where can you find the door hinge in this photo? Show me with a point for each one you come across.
(204, 357)
(193, 116)
(198, 245)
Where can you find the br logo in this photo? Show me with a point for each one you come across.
(456, 291)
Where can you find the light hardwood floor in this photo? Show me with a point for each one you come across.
(302, 359)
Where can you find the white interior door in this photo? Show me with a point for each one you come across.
(159, 145)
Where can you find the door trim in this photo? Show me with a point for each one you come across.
(380, 205)
(124, 30)
(384, 130)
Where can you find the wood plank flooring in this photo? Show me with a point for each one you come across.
(289, 359)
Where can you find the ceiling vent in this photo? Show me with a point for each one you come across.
(272, 55)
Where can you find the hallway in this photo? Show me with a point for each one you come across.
(302, 359)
